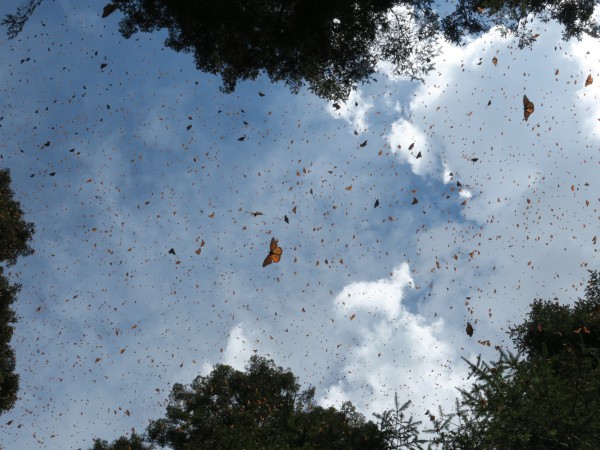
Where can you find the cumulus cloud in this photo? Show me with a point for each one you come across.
(389, 349)
(354, 111)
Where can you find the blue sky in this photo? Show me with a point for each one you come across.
(365, 301)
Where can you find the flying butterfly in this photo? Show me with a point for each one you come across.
(274, 253)
(527, 107)
(469, 329)
(589, 80)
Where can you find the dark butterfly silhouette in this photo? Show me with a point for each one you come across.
(527, 107)
(415, 201)
(172, 251)
(274, 253)
(376, 203)
(469, 329)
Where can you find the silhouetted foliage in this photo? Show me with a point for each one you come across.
(399, 431)
(547, 398)
(558, 330)
(9, 380)
(259, 408)
(135, 442)
(15, 22)
(333, 45)
(256, 409)
(514, 17)
(15, 235)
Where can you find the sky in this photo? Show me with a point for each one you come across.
(116, 165)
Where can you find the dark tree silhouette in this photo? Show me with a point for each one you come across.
(330, 46)
(15, 22)
(135, 442)
(15, 235)
(9, 380)
(514, 17)
(400, 431)
(260, 408)
(547, 397)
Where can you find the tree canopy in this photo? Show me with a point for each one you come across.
(546, 396)
(329, 46)
(134, 442)
(15, 234)
(262, 407)
(472, 17)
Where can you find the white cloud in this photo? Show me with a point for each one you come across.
(237, 352)
(390, 349)
(354, 111)
(382, 296)
(530, 217)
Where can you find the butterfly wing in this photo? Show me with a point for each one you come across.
(273, 245)
(276, 254)
(528, 107)
(268, 260)
(589, 80)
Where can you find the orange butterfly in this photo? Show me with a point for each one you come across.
(589, 80)
(527, 107)
(274, 253)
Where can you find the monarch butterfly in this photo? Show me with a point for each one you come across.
(469, 329)
(589, 80)
(527, 107)
(274, 253)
